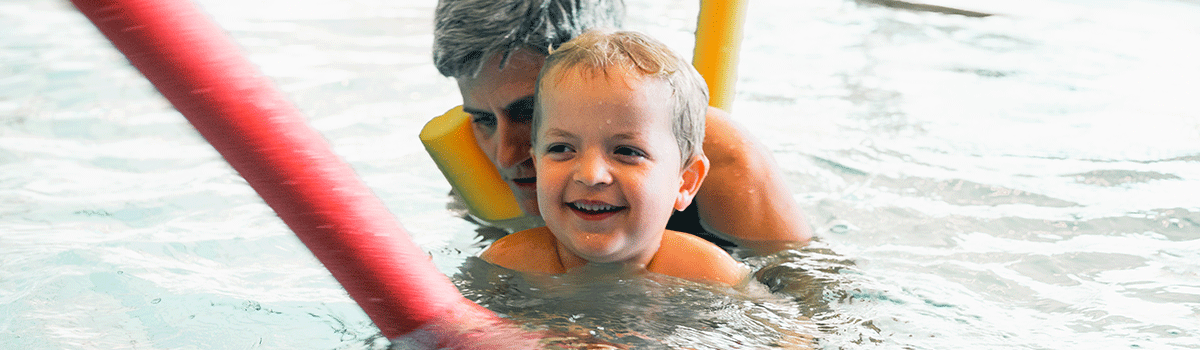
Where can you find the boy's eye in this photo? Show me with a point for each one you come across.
(558, 148)
(629, 152)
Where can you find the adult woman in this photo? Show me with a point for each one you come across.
(495, 48)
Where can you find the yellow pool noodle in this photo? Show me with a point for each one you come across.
(451, 144)
(718, 41)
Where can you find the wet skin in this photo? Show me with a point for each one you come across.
(610, 171)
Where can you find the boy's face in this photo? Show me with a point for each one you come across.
(608, 166)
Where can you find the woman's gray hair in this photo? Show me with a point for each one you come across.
(469, 32)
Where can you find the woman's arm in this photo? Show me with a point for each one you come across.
(744, 195)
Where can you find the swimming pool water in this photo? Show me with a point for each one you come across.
(1026, 180)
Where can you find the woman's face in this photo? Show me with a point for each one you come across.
(500, 101)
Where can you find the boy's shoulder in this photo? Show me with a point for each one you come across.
(693, 258)
(532, 250)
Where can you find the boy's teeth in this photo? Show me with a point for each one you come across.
(594, 207)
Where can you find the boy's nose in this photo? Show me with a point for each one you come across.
(514, 144)
(592, 170)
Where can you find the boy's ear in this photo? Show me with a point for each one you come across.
(690, 179)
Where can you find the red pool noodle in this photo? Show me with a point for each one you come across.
(266, 139)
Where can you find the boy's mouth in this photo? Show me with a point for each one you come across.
(594, 210)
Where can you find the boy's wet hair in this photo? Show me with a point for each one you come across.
(467, 33)
(601, 51)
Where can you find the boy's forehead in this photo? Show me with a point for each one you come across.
(583, 84)
(627, 77)
(578, 87)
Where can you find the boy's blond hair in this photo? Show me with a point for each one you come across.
(599, 51)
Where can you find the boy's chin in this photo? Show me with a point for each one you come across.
(594, 253)
(605, 255)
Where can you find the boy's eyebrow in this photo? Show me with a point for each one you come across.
(559, 132)
(563, 133)
(627, 136)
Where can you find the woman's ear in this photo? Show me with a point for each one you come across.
(690, 179)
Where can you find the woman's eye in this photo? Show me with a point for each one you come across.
(521, 111)
(629, 151)
(487, 121)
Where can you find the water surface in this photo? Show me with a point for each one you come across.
(1024, 180)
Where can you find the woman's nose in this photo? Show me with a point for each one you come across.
(514, 143)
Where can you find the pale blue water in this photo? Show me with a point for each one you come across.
(1028, 180)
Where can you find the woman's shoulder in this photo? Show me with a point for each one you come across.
(532, 250)
(693, 258)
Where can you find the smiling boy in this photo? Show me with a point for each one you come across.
(618, 125)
